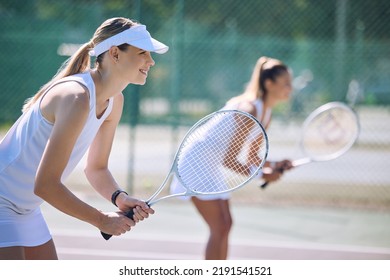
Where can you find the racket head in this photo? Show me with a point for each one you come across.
(205, 162)
(329, 131)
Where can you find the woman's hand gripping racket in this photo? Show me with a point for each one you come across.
(206, 161)
(328, 132)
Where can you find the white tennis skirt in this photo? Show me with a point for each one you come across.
(27, 230)
(177, 188)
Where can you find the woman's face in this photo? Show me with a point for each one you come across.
(135, 64)
(281, 88)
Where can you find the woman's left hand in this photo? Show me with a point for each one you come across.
(283, 165)
(140, 208)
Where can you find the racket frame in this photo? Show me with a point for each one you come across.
(326, 107)
(174, 167)
(308, 159)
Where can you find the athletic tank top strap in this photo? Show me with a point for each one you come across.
(259, 112)
(86, 80)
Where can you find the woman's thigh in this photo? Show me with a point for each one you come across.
(45, 251)
(216, 213)
(12, 253)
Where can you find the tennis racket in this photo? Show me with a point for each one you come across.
(214, 157)
(328, 132)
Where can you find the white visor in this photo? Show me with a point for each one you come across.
(136, 36)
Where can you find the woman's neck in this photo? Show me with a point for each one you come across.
(106, 85)
(269, 102)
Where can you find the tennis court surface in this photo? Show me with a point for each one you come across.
(176, 231)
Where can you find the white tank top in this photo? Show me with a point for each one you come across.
(259, 111)
(22, 148)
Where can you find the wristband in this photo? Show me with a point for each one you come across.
(115, 195)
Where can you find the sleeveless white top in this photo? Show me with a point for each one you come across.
(259, 112)
(22, 148)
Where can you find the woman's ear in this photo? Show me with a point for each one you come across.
(268, 84)
(114, 53)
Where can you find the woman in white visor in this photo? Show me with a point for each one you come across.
(78, 110)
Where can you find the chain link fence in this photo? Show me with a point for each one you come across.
(338, 50)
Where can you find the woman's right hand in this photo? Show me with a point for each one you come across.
(115, 223)
(274, 170)
(271, 174)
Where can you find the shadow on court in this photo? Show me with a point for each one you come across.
(176, 231)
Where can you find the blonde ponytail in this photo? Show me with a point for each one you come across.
(266, 68)
(252, 89)
(253, 86)
(79, 62)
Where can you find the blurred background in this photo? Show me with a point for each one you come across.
(338, 50)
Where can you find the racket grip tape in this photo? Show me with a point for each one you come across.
(129, 214)
(264, 185)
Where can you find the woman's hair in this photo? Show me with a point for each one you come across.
(266, 68)
(80, 61)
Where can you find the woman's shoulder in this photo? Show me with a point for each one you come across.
(242, 105)
(68, 94)
(81, 79)
(70, 88)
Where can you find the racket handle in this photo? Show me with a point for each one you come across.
(106, 236)
(129, 214)
(264, 185)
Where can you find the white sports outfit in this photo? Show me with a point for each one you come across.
(21, 222)
(206, 172)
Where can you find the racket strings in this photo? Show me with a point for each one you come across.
(204, 165)
(330, 133)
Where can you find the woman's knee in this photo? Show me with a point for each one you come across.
(222, 227)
